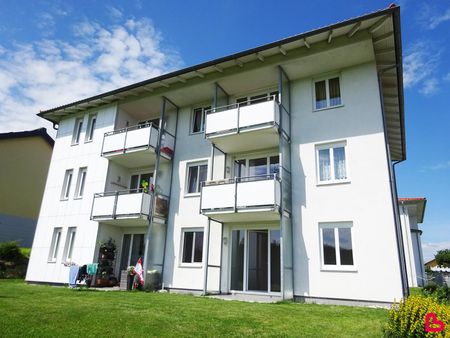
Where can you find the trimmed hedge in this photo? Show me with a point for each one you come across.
(407, 318)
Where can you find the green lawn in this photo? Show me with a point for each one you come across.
(42, 311)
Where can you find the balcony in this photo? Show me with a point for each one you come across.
(245, 199)
(238, 127)
(128, 208)
(135, 146)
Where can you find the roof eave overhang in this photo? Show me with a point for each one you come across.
(54, 115)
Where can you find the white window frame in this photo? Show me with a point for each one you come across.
(186, 185)
(90, 130)
(130, 249)
(331, 146)
(247, 99)
(336, 267)
(202, 120)
(191, 264)
(76, 136)
(54, 245)
(67, 183)
(69, 245)
(246, 229)
(247, 159)
(81, 183)
(327, 91)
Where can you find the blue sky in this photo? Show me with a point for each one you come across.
(54, 52)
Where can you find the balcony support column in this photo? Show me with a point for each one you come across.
(286, 223)
(153, 259)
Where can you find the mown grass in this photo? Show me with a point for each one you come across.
(46, 311)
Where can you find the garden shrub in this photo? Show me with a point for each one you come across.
(13, 263)
(438, 292)
(407, 318)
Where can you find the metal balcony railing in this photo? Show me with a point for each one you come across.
(241, 193)
(236, 117)
(132, 203)
(136, 138)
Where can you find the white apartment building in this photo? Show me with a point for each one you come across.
(268, 172)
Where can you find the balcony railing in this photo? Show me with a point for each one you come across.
(238, 117)
(241, 194)
(137, 138)
(127, 204)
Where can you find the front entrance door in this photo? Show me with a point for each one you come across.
(255, 260)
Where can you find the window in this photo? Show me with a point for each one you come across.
(336, 244)
(196, 174)
(331, 163)
(91, 127)
(80, 182)
(141, 182)
(192, 247)
(70, 240)
(244, 101)
(133, 248)
(54, 246)
(77, 131)
(257, 168)
(66, 184)
(327, 93)
(198, 119)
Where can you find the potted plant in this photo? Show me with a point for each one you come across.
(130, 277)
(105, 271)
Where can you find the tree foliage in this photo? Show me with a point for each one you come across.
(443, 258)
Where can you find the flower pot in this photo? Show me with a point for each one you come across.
(130, 279)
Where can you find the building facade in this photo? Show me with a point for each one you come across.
(412, 211)
(25, 159)
(266, 172)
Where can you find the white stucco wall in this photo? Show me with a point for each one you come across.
(184, 210)
(365, 200)
(73, 212)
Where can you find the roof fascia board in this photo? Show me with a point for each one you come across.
(278, 43)
(276, 59)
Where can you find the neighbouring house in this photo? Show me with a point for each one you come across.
(412, 211)
(25, 159)
(268, 172)
(431, 264)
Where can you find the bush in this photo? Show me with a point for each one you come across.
(440, 293)
(407, 318)
(13, 263)
(10, 252)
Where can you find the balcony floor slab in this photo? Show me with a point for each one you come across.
(246, 140)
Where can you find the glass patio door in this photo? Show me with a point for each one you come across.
(255, 260)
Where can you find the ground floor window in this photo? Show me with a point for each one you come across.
(336, 244)
(132, 249)
(192, 247)
(255, 260)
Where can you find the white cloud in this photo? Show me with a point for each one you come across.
(115, 13)
(430, 86)
(49, 73)
(419, 66)
(430, 249)
(440, 166)
(435, 20)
